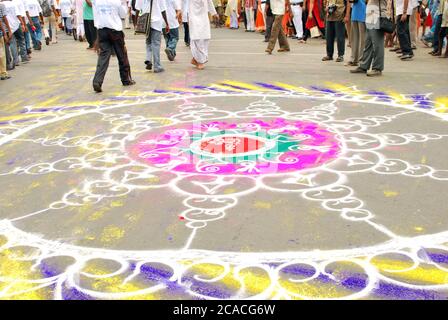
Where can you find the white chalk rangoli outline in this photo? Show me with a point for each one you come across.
(325, 185)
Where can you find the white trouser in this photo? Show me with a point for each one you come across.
(250, 19)
(297, 20)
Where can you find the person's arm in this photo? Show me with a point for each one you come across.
(404, 14)
(28, 16)
(288, 8)
(5, 34)
(310, 11)
(8, 28)
(41, 16)
(347, 13)
(167, 25)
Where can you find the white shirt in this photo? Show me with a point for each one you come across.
(66, 7)
(278, 7)
(33, 7)
(158, 6)
(198, 19)
(171, 7)
(20, 8)
(185, 10)
(11, 15)
(411, 5)
(108, 14)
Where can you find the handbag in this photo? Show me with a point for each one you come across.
(315, 32)
(144, 22)
(386, 24)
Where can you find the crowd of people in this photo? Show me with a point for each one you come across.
(370, 26)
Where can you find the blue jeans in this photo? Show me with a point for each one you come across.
(435, 41)
(171, 39)
(19, 36)
(67, 24)
(153, 49)
(36, 36)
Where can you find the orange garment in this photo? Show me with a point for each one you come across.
(285, 21)
(259, 22)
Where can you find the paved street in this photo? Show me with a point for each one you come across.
(263, 176)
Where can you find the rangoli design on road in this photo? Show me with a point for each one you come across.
(233, 190)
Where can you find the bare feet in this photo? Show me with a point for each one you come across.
(194, 62)
(200, 66)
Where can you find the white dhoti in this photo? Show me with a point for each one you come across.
(199, 50)
(79, 17)
(199, 24)
(297, 20)
(80, 29)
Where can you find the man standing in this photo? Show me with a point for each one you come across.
(185, 5)
(335, 29)
(36, 19)
(49, 20)
(157, 11)
(404, 11)
(173, 9)
(296, 13)
(4, 40)
(66, 7)
(79, 11)
(358, 30)
(89, 24)
(108, 15)
(15, 13)
(200, 33)
(249, 6)
(278, 8)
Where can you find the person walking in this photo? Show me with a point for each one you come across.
(200, 33)
(269, 20)
(335, 29)
(278, 8)
(49, 20)
(173, 13)
(404, 11)
(232, 13)
(89, 24)
(358, 30)
(66, 8)
(373, 55)
(15, 13)
(111, 38)
(249, 6)
(185, 22)
(35, 23)
(157, 13)
(4, 41)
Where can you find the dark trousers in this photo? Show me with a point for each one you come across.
(435, 42)
(186, 33)
(277, 33)
(404, 36)
(269, 22)
(111, 40)
(335, 31)
(442, 34)
(90, 31)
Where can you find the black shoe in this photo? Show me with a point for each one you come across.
(327, 58)
(169, 54)
(47, 41)
(5, 77)
(130, 83)
(97, 87)
(28, 51)
(148, 65)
